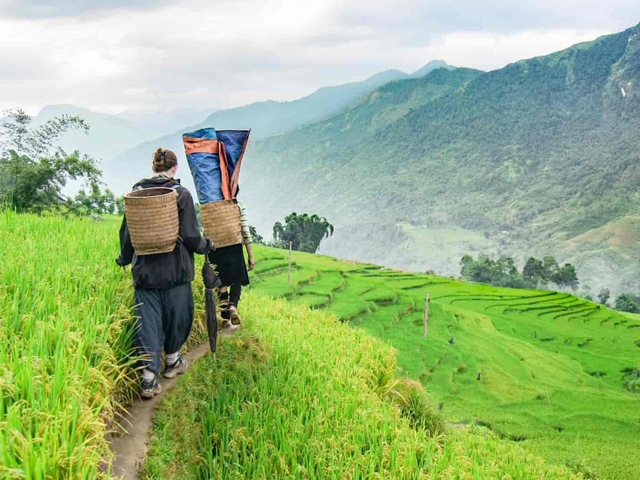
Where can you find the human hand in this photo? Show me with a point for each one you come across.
(210, 245)
(252, 264)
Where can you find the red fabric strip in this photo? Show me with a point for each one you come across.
(200, 145)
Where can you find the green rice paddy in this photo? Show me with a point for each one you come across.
(64, 345)
(540, 368)
(301, 395)
(298, 395)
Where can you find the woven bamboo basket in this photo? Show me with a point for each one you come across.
(152, 218)
(221, 222)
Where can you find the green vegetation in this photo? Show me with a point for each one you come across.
(298, 395)
(33, 171)
(632, 380)
(504, 273)
(627, 302)
(64, 345)
(603, 296)
(255, 236)
(303, 232)
(539, 157)
(554, 369)
(66, 370)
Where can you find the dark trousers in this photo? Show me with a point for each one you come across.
(228, 298)
(165, 318)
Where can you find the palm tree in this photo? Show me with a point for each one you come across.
(305, 232)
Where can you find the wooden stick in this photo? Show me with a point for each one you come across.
(289, 274)
(426, 317)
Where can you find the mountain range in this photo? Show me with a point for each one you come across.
(415, 170)
(264, 118)
(539, 157)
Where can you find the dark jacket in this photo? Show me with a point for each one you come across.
(166, 270)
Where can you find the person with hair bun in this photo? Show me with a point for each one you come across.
(232, 271)
(162, 282)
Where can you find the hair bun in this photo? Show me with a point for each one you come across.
(159, 157)
(163, 160)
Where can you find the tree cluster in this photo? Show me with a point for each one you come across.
(33, 170)
(503, 272)
(628, 302)
(255, 236)
(536, 273)
(304, 232)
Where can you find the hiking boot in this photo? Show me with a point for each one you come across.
(150, 388)
(225, 324)
(177, 368)
(235, 318)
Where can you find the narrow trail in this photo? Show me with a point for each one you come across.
(130, 449)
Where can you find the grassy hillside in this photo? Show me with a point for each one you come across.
(66, 333)
(298, 395)
(538, 157)
(552, 367)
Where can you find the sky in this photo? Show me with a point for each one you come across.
(160, 55)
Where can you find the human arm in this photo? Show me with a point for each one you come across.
(189, 229)
(126, 248)
(252, 263)
(246, 235)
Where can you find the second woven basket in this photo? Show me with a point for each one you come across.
(221, 222)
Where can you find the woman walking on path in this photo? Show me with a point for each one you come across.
(232, 270)
(162, 282)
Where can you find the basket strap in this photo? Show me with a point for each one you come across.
(174, 186)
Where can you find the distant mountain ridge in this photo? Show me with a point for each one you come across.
(539, 157)
(108, 134)
(264, 118)
(431, 66)
(161, 123)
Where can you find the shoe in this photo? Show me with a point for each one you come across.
(150, 388)
(235, 319)
(225, 324)
(177, 368)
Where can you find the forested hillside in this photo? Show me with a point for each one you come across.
(538, 157)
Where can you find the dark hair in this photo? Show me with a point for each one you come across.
(163, 160)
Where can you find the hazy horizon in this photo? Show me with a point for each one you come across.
(110, 57)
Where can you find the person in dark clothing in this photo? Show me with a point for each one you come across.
(162, 282)
(232, 270)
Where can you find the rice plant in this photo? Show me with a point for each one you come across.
(65, 332)
(65, 371)
(299, 395)
(519, 346)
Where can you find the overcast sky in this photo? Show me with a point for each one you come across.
(111, 56)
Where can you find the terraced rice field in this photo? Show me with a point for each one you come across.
(541, 368)
(297, 395)
(551, 371)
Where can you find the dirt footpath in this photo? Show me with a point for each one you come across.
(130, 449)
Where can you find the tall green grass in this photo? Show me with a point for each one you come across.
(64, 337)
(297, 395)
(549, 370)
(552, 369)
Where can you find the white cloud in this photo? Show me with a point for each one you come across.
(227, 53)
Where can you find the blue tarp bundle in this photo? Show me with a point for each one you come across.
(214, 159)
